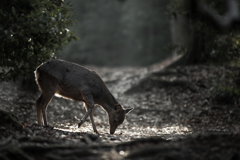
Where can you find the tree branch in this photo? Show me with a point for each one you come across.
(231, 18)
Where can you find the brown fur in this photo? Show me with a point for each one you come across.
(75, 82)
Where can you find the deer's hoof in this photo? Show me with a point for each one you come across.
(80, 123)
(48, 127)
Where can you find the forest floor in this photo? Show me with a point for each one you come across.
(174, 117)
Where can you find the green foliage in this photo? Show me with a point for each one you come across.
(226, 49)
(226, 90)
(224, 94)
(31, 31)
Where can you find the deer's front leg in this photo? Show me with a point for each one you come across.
(90, 103)
(92, 120)
(85, 117)
(93, 124)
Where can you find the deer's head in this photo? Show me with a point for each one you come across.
(117, 116)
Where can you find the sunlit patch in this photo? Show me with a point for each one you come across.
(126, 133)
(74, 128)
(176, 130)
(122, 153)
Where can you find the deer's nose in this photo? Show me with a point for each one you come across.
(112, 131)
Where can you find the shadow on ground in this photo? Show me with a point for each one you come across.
(176, 120)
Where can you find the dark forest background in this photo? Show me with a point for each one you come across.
(135, 32)
(175, 61)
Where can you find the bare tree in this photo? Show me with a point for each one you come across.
(223, 23)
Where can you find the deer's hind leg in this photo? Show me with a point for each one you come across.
(39, 109)
(48, 87)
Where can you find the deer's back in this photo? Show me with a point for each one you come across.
(72, 77)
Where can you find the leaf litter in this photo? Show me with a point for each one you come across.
(169, 105)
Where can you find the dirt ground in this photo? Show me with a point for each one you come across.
(173, 118)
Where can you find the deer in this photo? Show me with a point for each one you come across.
(73, 81)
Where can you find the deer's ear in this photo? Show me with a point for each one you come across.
(128, 110)
(118, 108)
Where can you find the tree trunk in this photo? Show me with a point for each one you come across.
(196, 52)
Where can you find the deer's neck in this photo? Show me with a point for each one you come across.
(107, 101)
